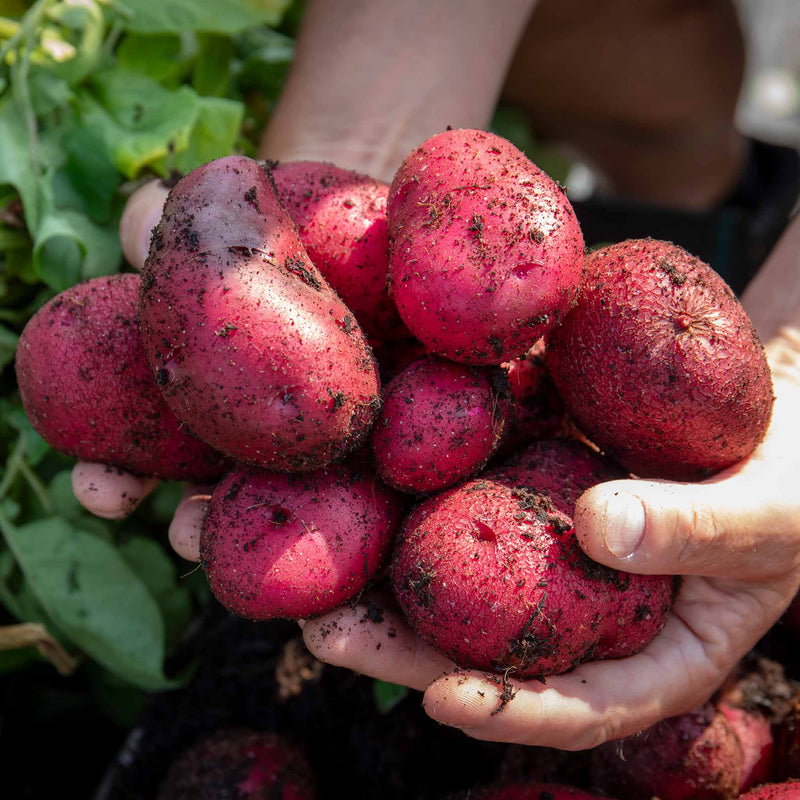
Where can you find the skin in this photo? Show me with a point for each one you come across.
(736, 536)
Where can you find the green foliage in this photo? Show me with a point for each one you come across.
(96, 97)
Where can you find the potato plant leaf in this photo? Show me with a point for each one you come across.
(387, 695)
(140, 120)
(94, 596)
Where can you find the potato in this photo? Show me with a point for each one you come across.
(659, 364)
(295, 546)
(252, 349)
(239, 762)
(491, 575)
(788, 790)
(485, 251)
(88, 390)
(439, 424)
(694, 756)
(341, 218)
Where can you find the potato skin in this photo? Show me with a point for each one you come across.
(485, 251)
(88, 390)
(439, 423)
(694, 756)
(659, 364)
(250, 346)
(295, 546)
(239, 763)
(341, 218)
(490, 574)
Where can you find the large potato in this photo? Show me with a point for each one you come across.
(251, 347)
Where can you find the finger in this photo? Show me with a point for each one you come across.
(373, 639)
(594, 703)
(738, 526)
(142, 213)
(109, 492)
(187, 522)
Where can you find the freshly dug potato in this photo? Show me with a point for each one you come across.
(660, 365)
(695, 756)
(490, 574)
(485, 251)
(295, 546)
(250, 346)
(341, 218)
(239, 764)
(88, 390)
(439, 424)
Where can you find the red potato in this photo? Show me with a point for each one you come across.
(485, 251)
(341, 218)
(88, 390)
(250, 346)
(789, 790)
(754, 732)
(491, 575)
(439, 424)
(659, 364)
(242, 764)
(295, 546)
(694, 756)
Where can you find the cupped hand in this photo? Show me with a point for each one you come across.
(735, 538)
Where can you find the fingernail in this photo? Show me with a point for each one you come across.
(624, 524)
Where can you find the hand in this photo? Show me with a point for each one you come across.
(735, 537)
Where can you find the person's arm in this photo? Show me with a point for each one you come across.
(372, 79)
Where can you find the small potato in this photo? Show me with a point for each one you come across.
(88, 390)
(296, 546)
(486, 253)
(439, 424)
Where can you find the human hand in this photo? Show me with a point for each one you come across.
(736, 538)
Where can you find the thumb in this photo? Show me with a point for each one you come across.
(142, 213)
(737, 527)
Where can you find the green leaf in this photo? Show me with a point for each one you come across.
(90, 171)
(265, 57)
(211, 75)
(8, 346)
(36, 448)
(69, 248)
(221, 16)
(156, 570)
(92, 594)
(387, 695)
(140, 120)
(16, 161)
(214, 135)
(163, 57)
